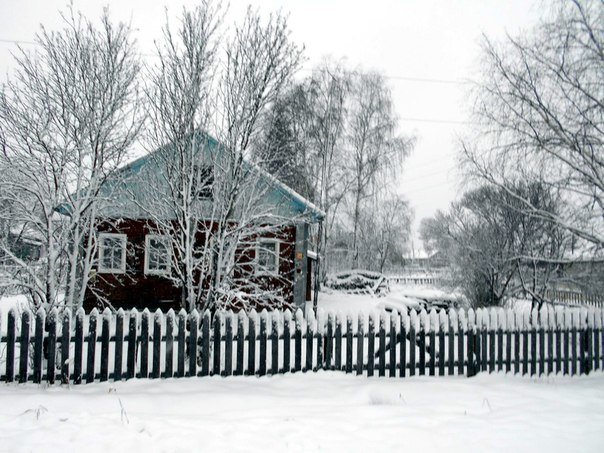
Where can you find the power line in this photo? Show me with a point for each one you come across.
(386, 76)
(434, 120)
(14, 41)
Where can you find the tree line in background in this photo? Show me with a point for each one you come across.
(76, 107)
(533, 217)
(334, 138)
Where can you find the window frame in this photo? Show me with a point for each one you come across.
(206, 192)
(162, 237)
(268, 272)
(101, 253)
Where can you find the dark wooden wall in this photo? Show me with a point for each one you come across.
(134, 289)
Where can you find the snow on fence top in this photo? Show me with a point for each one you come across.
(75, 349)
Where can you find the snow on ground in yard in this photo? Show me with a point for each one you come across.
(308, 412)
(8, 302)
(336, 301)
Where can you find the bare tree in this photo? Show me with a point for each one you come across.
(495, 249)
(384, 230)
(376, 151)
(67, 119)
(541, 114)
(210, 200)
(180, 104)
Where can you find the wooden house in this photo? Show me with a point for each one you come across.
(134, 260)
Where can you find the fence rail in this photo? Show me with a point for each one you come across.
(55, 347)
(413, 279)
(575, 298)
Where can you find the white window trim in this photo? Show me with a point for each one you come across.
(148, 271)
(105, 270)
(266, 272)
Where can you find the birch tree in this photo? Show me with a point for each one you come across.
(68, 116)
(180, 102)
(540, 110)
(214, 205)
(376, 151)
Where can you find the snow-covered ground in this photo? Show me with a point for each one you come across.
(329, 412)
(325, 411)
(336, 301)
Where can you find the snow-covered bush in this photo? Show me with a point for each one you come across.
(358, 281)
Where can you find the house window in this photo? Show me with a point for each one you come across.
(157, 254)
(205, 182)
(267, 257)
(112, 253)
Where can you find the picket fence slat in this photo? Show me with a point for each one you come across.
(565, 340)
(169, 351)
(39, 345)
(119, 345)
(310, 333)
(105, 334)
(90, 356)
(157, 340)
(24, 346)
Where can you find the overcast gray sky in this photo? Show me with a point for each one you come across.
(426, 48)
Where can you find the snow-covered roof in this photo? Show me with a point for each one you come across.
(297, 202)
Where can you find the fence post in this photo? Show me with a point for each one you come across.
(193, 333)
(597, 333)
(51, 322)
(287, 337)
(412, 341)
(170, 321)
(132, 344)
(534, 317)
(320, 338)
(422, 341)
(566, 340)
(338, 353)
(10, 345)
(24, 344)
(39, 344)
(509, 327)
(431, 326)
(348, 368)
(551, 318)
(471, 330)
(329, 342)
(573, 333)
(144, 370)
(105, 332)
(217, 331)
(228, 344)
(157, 321)
(360, 344)
(371, 345)
(240, 343)
(443, 322)
(484, 334)
(298, 341)
(382, 346)
(542, 321)
(493, 327)
(251, 347)
(79, 347)
(310, 334)
(275, 343)
(461, 325)
(182, 341)
(90, 358)
(403, 343)
(392, 359)
(65, 340)
(119, 345)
